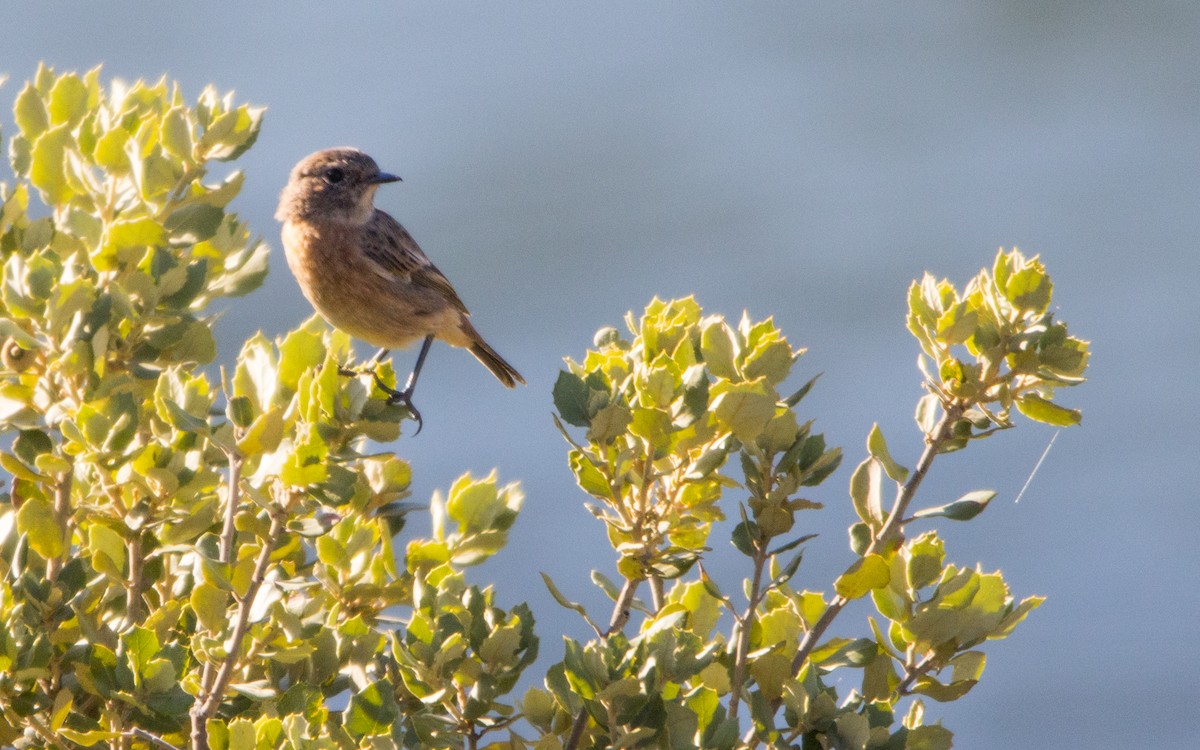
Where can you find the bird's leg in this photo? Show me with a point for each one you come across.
(404, 397)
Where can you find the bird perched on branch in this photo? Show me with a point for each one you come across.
(365, 274)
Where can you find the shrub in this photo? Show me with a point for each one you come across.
(205, 558)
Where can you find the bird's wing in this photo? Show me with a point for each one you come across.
(396, 255)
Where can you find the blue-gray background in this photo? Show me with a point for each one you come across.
(565, 162)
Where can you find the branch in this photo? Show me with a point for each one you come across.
(621, 609)
(62, 514)
(32, 721)
(210, 697)
(913, 673)
(233, 497)
(745, 625)
(895, 518)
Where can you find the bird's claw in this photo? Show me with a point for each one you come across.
(401, 398)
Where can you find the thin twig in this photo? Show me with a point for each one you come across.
(213, 684)
(622, 608)
(32, 721)
(620, 615)
(745, 625)
(656, 593)
(232, 501)
(142, 734)
(133, 594)
(913, 673)
(241, 622)
(224, 555)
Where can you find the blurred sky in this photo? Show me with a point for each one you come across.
(565, 162)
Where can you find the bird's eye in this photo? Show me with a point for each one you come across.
(334, 175)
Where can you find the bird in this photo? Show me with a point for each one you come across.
(365, 274)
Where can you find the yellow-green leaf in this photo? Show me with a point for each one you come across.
(42, 526)
(175, 132)
(47, 165)
(743, 408)
(871, 572)
(209, 603)
(68, 100)
(878, 448)
(30, 113)
(1043, 410)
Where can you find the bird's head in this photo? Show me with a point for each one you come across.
(337, 184)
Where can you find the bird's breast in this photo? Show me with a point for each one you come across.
(350, 291)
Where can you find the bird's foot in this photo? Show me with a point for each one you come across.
(401, 398)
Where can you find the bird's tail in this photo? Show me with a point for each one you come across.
(483, 352)
(503, 371)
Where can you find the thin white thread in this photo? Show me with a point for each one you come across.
(1037, 466)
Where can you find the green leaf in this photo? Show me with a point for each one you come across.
(107, 551)
(957, 324)
(140, 646)
(1042, 410)
(571, 399)
(860, 537)
(175, 132)
(967, 665)
(609, 423)
(132, 234)
(562, 600)
(68, 101)
(771, 671)
(1016, 615)
(46, 534)
(373, 711)
(249, 268)
(590, 479)
(30, 113)
(928, 413)
(744, 535)
(866, 492)
(240, 411)
(963, 509)
(474, 504)
(941, 692)
(47, 166)
(743, 408)
(209, 603)
(929, 737)
(878, 448)
(181, 420)
(90, 738)
(717, 347)
(871, 572)
(926, 555)
(709, 461)
(109, 152)
(301, 351)
(653, 426)
(194, 222)
(1029, 289)
(795, 398)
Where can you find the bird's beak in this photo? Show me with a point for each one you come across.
(383, 177)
